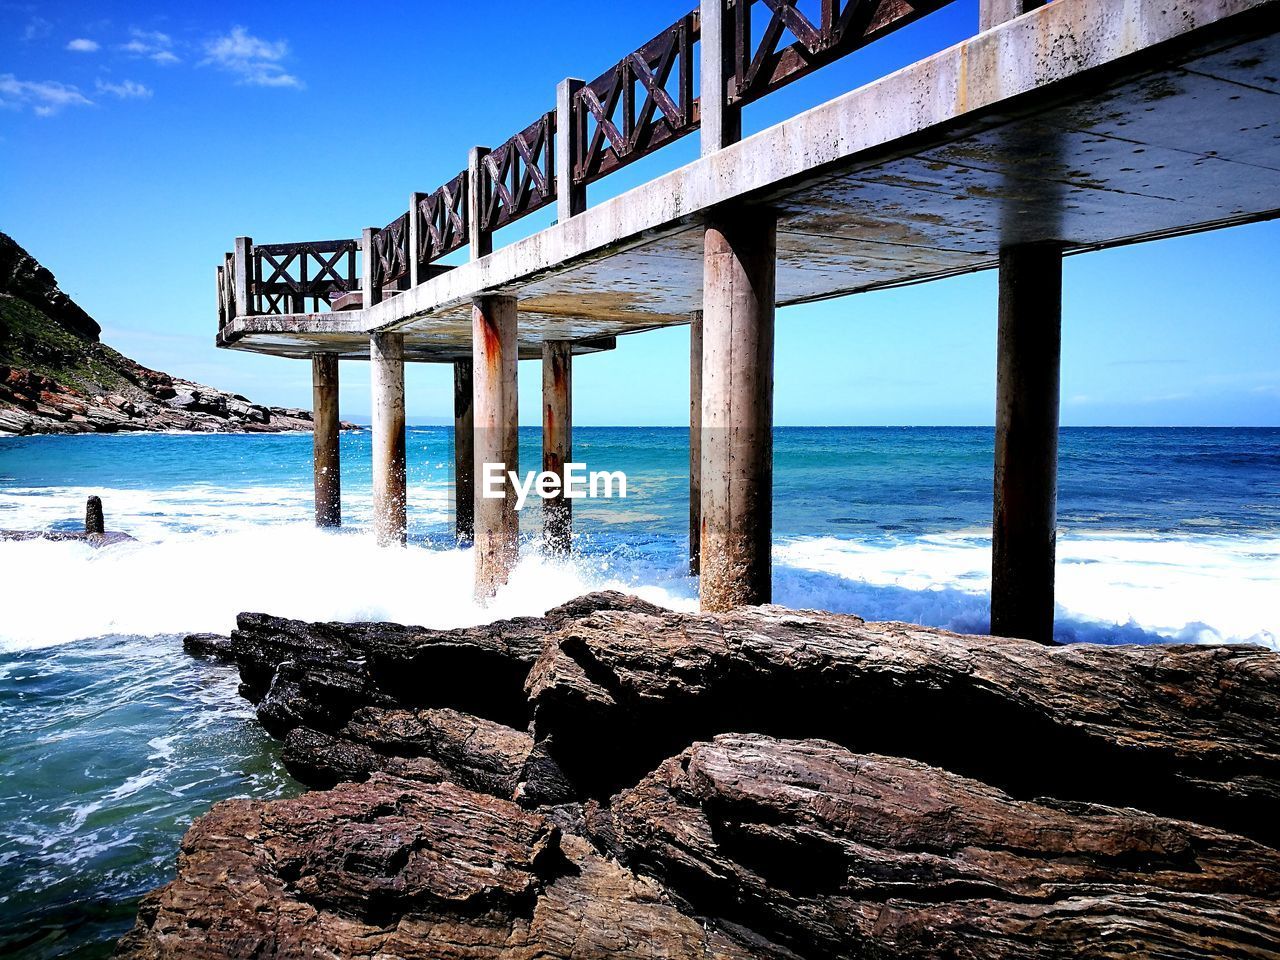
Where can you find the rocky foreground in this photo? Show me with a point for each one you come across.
(56, 376)
(614, 779)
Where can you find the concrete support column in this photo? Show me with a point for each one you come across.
(737, 409)
(464, 453)
(386, 355)
(497, 528)
(324, 458)
(695, 440)
(1028, 356)
(557, 440)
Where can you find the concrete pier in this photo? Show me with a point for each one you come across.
(737, 409)
(386, 356)
(557, 440)
(695, 439)
(1023, 537)
(325, 459)
(464, 453)
(497, 527)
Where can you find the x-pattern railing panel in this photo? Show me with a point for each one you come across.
(391, 252)
(611, 129)
(819, 36)
(286, 275)
(442, 220)
(519, 176)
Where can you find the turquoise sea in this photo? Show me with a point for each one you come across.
(111, 740)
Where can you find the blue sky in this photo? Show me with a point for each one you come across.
(137, 140)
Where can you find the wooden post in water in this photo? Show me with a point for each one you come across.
(737, 409)
(94, 522)
(386, 356)
(464, 453)
(557, 440)
(497, 441)
(1028, 360)
(325, 460)
(695, 439)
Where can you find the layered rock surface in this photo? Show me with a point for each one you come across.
(615, 779)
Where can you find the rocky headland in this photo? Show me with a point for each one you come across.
(56, 376)
(618, 780)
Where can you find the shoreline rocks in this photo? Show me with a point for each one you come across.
(616, 779)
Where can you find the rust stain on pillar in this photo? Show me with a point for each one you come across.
(325, 458)
(386, 357)
(740, 253)
(1023, 535)
(497, 528)
(557, 440)
(464, 452)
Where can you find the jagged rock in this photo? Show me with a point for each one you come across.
(478, 754)
(334, 667)
(845, 855)
(393, 868)
(1188, 731)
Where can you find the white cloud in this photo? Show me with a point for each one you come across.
(83, 45)
(37, 29)
(251, 59)
(125, 89)
(44, 97)
(152, 44)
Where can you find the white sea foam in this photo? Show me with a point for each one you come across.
(207, 553)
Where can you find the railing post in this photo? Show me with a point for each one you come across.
(570, 200)
(369, 292)
(721, 123)
(481, 239)
(992, 13)
(414, 240)
(244, 276)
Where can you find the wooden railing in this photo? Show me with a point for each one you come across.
(644, 102)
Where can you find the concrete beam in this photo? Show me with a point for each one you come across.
(737, 409)
(695, 440)
(325, 459)
(557, 441)
(464, 452)
(1023, 536)
(386, 357)
(497, 439)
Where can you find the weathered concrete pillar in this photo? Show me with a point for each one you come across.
(695, 439)
(737, 409)
(557, 440)
(386, 355)
(325, 460)
(1028, 354)
(497, 528)
(464, 453)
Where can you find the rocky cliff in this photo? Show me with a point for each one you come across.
(56, 376)
(617, 780)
